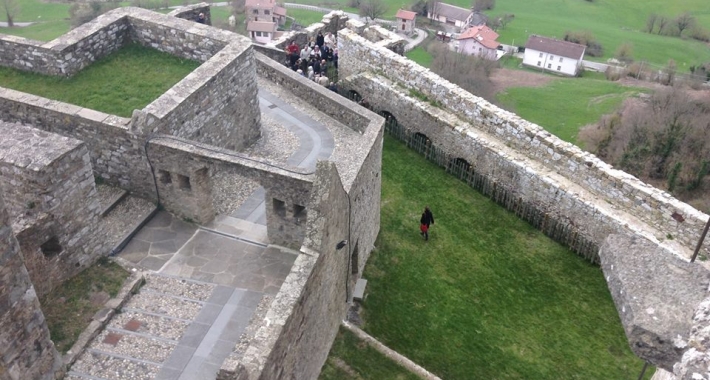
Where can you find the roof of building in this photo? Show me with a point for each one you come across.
(478, 18)
(269, 4)
(280, 11)
(261, 26)
(552, 46)
(483, 34)
(452, 12)
(405, 15)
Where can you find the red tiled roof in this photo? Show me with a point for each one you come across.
(405, 15)
(483, 34)
(552, 46)
(261, 26)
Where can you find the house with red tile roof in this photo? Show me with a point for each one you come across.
(553, 55)
(480, 41)
(263, 19)
(405, 21)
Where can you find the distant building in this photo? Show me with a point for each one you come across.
(405, 21)
(554, 55)
(261, 31)
(450, 14)
(480, 41)
(265, 10)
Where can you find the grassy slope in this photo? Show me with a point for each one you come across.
(488, 296)
(565, 105)
(117, 85)
(68, 309)
(305, 17)
(350, 358)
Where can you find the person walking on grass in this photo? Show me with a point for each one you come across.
(426, 220)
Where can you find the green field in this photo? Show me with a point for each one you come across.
(128, 79)
(488, 296)
(565, 105)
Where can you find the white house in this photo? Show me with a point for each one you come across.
(480, 41)
(553, 55)
(261, 31)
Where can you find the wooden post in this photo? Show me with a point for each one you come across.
(700, 242)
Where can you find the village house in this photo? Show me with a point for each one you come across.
(553, 55)
(263, 19)
(480, 41)
(405, 21)
(450, 14)
(262, 32)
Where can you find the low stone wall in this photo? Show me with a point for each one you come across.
(620, 190)
(26, 351)
(55, 220)
(294, 339)
(192, 11)
(331, 23)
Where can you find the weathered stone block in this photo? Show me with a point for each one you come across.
(655, 293)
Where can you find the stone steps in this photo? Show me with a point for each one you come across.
(139, 339)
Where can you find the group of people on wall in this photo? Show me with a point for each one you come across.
(317, 60)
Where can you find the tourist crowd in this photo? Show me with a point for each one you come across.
(317, 60)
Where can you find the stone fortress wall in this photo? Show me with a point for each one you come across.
(49, 185)
(570, 194)
(168, 152)
(27, 351)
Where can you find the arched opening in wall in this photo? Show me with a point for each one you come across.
(460, 168)
(354, 96)
(51, 247)
(421, 143)
(391, 124)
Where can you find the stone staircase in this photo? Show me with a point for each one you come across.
(173, 328)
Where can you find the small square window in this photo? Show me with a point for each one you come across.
(549, 65)
(255, 11)
(279, 207)
(258, 34)
(540, 55)
(184, 182)
(559, 68)
(539, 63)
(51, 247)
(266, 12)
(560, 59)
(164, 176)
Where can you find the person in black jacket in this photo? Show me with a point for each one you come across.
(320, 40)
(426, 220)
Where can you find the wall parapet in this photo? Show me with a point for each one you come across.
(654, 207)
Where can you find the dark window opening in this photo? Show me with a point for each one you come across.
(164, 176)
(184, 182)
(279, 207)
(299, 211)
(51, 247)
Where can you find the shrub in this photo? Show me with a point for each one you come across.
(699, 33)
(587, 39)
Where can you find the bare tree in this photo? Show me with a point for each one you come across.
(372, 9)
(469, 72)
(651, 22)
(662, 23)
(505, 19)
(684, 21)
(624, 53)
(433, 7)
(669, 73)
(11, 8)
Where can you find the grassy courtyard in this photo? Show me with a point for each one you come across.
(128, 79)
(487, 297)
(69, 308)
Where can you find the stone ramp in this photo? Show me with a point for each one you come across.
(172, 329)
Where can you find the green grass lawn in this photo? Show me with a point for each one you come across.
(128, 79)
(305, 17)
(612, 22)
(69, 308)
(353, 359)
(488, 296)
(565, 105)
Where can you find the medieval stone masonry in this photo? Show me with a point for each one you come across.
(170, 151)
